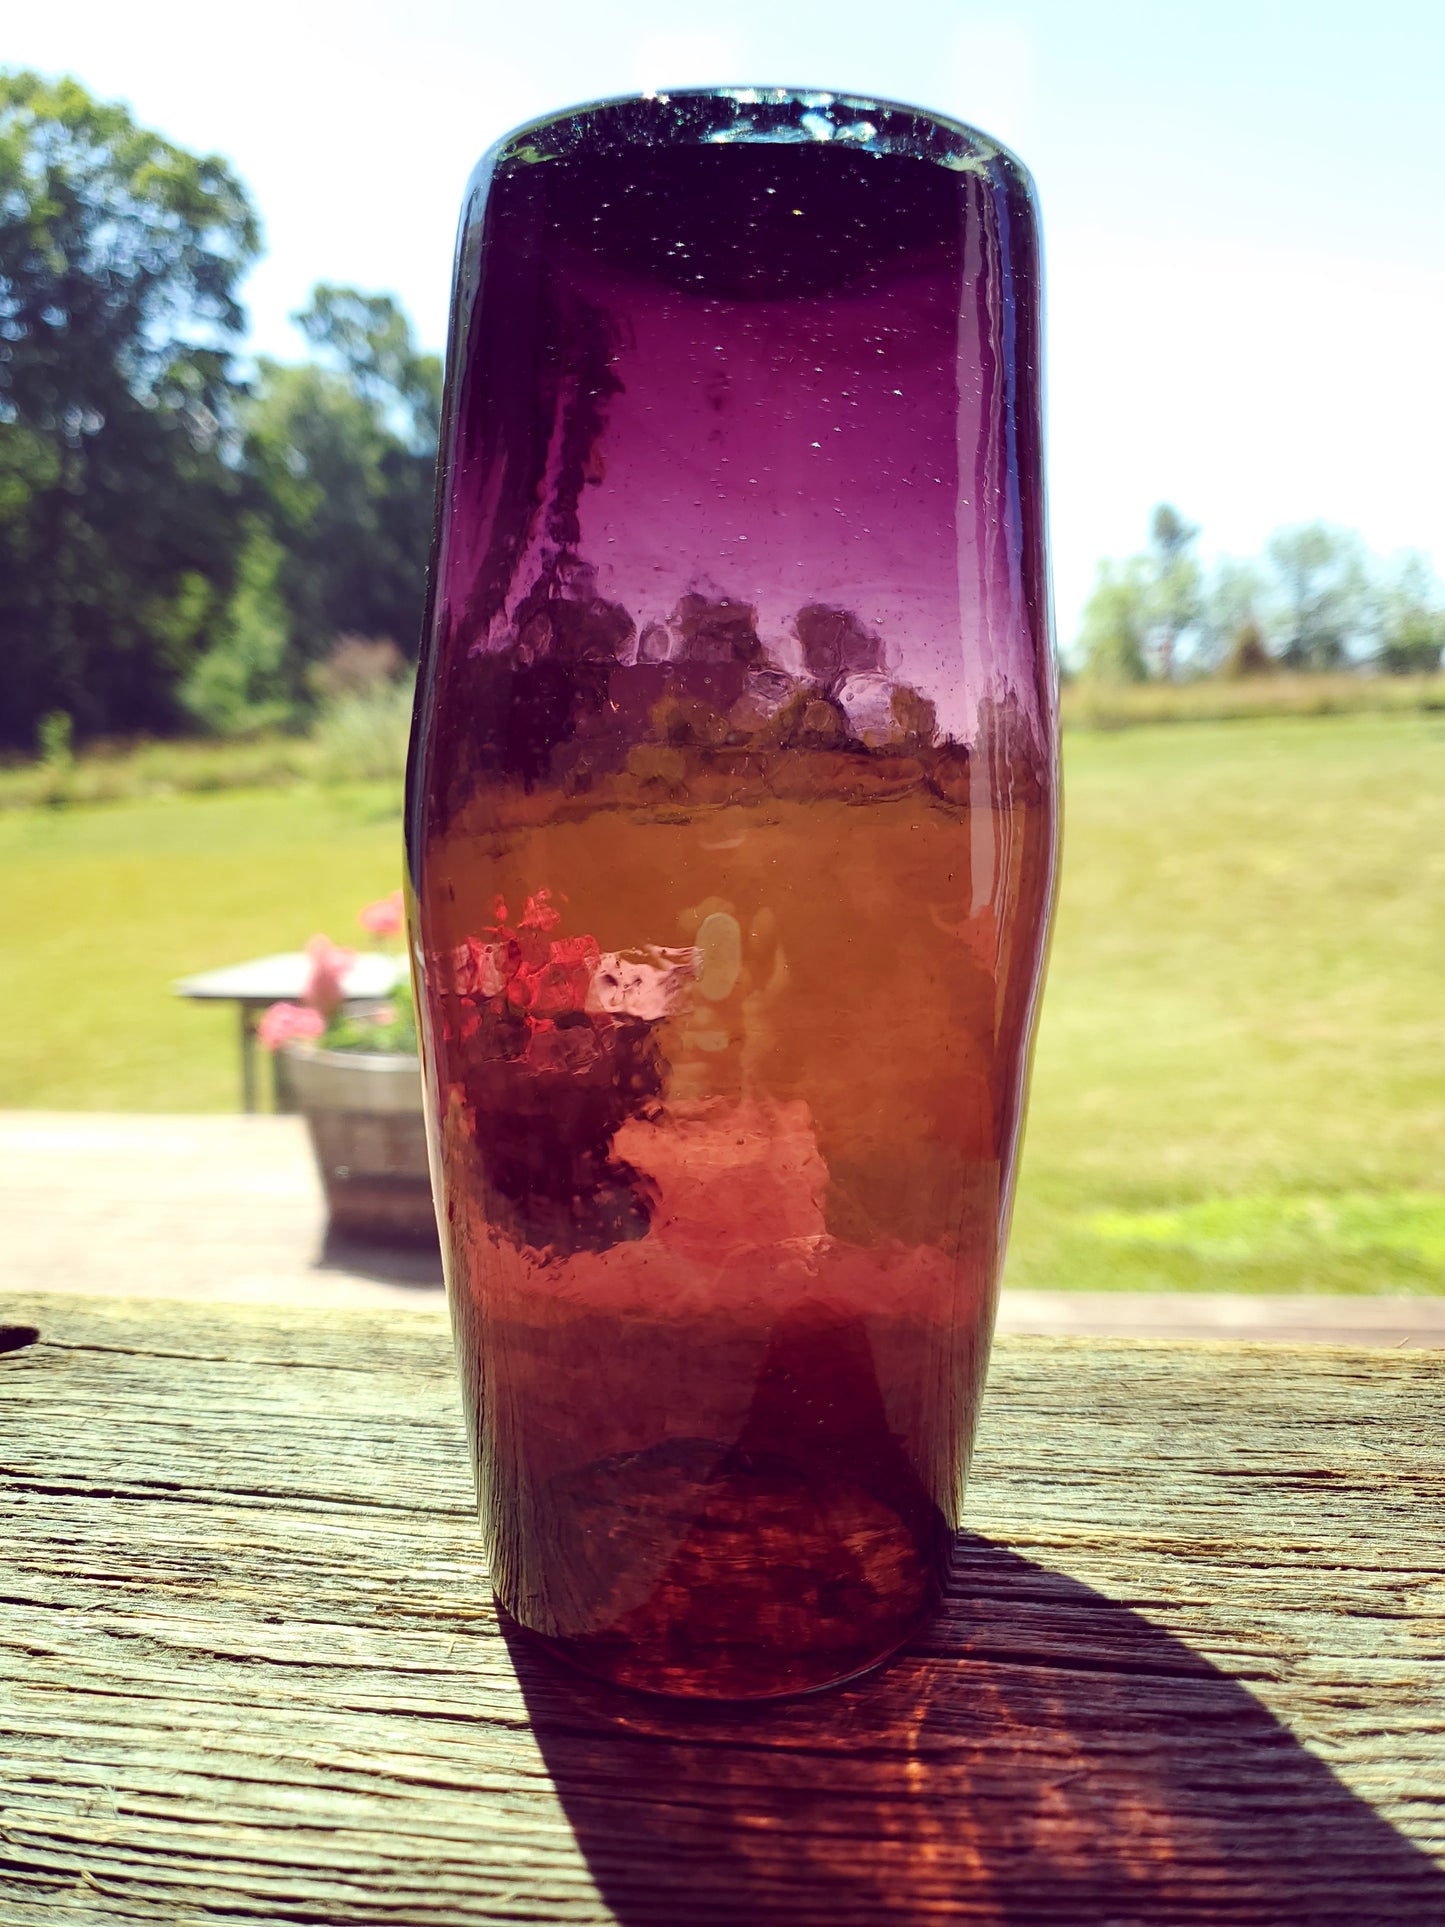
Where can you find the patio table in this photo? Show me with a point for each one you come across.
(263, 981)
(1190, 1667)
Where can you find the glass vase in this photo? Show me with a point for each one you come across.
(731, 837)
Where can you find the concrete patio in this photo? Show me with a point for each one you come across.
(229, 1209)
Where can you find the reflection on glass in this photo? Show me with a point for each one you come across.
(731, 828)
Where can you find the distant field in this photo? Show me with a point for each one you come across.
(1222, 699)
(364, 737)
(1240, 1082)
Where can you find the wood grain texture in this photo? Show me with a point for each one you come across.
(1193, 1666)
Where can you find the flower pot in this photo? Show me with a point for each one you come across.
(364, 1112)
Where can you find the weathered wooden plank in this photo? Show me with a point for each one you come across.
(1191, 1670)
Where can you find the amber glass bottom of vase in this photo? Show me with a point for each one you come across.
(800, 1550)
(780, 1584)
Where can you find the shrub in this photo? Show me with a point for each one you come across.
(362, 737)
(356, 666)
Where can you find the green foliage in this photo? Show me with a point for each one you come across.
(54, 772)
(1174, 585)
(239, 685)
(344, 454)
(1113, 639)
(137, 772)
(362, 735)
(56, 740)
(356, 665)
(174, 545)
(1140, 609)
(120, 255)
(369, 338)
(387, 1027)
(1412, 618)
(1232, 635)
(1315, 601)
(1321, 594)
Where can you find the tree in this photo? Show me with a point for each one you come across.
(343, 452)
(120, 256)
(1174, 584)
(1140, 610)
(1231, 632)
(1248, 652)
(243, 682)
(1319, 594)
(1113, 637)
(1411, 617)
(1315, 600)
(369, 338)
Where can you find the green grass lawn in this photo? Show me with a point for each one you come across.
(106, 906)
(1240, 1081)
(1240, 1078)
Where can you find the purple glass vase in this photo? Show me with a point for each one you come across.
(731, 833)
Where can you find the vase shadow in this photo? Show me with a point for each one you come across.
(1044, 1754)
(394, 1262)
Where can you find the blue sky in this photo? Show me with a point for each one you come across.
(1244, 204)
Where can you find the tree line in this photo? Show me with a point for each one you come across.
(1314, 599)
(189, 540)
(185, 537)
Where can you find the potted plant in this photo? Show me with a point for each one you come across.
(355, 1076)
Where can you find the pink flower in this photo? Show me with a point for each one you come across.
(325, 984)
(539, 914)
(288, 1023)
(384, 917)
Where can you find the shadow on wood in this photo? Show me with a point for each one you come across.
(389, 1261)
(1044, 1756)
